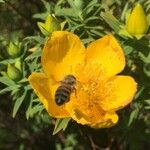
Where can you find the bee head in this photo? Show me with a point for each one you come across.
(69, 79)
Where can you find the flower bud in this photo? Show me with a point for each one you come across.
(137, 23)
(14, 49)
(13, 72)
(50, 25)
(18, 64)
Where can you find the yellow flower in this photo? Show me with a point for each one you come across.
(99, 91)
(137, 23)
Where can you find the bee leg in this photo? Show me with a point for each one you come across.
(75, 91)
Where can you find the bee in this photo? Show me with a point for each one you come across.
(63, 92)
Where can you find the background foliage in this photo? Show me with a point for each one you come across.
(24, 124)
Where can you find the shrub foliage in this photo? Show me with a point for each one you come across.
(24, 124)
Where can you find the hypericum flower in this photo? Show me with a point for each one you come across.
(137, 23)
(99, 91)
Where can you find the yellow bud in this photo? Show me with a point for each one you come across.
(50, 25)
(137, 23)
(42, 28)
(13, 72)
(48, 21)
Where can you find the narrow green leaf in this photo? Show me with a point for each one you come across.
(98, 33)
(7, 61)
(72, 4)
(147, 101)
(147, 107)
(139, 92)
(47, 5)
(41, 16)
(2, 1)
(5, 80)
(36, 53)
(9, 88)
(61, 124)
(111, 21)
(18, 103)
(128, 49)
(86, 41)
(29, 106)
(35, 109)
(90, 6)
(92, 18)
(125, 9)
(37, 38)
(66, 12)
(133, 116)
(144, 58)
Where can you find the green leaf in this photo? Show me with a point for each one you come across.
(125, 10)
(1, 1)
(41, 16)
(128, 49)
(147, 101)
(66, 12)
(147, 107)
(35, 109)
(61, 124)
(18, 103)
(79, 4)
(111, 21)
(29, 106)
(86, 41)
(47, 5)
(145, 59)
(90, 6)
(146, 69)
(36, 53)
(5, 80)
(92, 18)
(7, 61)
(98, 33)
(139, 92)
(73, 6)
(9, 88)
(133, 116)
(40, 40)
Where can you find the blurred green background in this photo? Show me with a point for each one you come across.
(24, 124)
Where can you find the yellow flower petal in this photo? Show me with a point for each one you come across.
(106, 120)
(41, 85)
(61, 54)
(104, 58)
(109, 120)
(117, 92)
(86, 112)
(83, 108)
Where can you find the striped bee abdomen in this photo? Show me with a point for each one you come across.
(62, 94)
